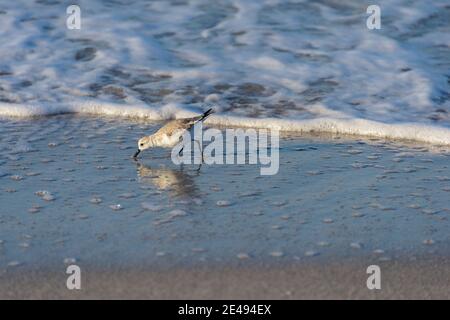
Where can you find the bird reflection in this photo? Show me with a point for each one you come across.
(177, 182)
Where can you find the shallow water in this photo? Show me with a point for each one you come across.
(70, 192)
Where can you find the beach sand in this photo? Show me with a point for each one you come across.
(71, 194)
(420, 279)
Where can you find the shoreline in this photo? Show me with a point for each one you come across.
(353, 128)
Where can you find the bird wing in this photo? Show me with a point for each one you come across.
(175, 126)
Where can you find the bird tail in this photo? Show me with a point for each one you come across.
(206, 114)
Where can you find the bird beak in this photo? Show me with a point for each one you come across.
(136, 154)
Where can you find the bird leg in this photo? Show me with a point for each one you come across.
(201, 149)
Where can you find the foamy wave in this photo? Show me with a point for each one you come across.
(351, 126)
(262, 63)
(360, 127)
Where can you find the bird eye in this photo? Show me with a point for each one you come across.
(142, 144)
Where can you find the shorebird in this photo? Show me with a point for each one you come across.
(170, 134)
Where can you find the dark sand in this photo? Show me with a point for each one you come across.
(421, 279)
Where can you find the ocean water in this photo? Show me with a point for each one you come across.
(293, 65)
(71, 193)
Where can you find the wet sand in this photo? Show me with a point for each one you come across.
(71, 194)
(421, 279)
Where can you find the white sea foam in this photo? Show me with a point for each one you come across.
(351, 126)
(292, 65)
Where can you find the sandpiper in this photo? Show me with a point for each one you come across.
(170, 134)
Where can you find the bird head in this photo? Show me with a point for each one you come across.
(143, 144)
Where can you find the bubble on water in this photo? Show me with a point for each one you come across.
(128, 195)
(48, 197)
(96, 200)
(359, 165)
(285, 217)
(45, 195)
(34, 210)
(85, 145)
(69, 260)
(248, 194)
(428, 241)
(198, 250)
(213, 97)
(430, 211)
(116, 207)
(328, 220)
(14, 263)
(311, 253)
(177, 213)
(52, 144)
(48, 179)
(83, 216)
(32, 174)
(354, 151)
(160, 254)
(197, 201)
(16, 177)
(279, 203)
(323, 244)
(223, 203)
(242, 256)
(15, 157)
(378, 251)
(41, 193)
(357, 215)
(356, 245)
(24, 245)
(276, 253)
(151, 206)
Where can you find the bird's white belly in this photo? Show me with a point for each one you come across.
(171, 141)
